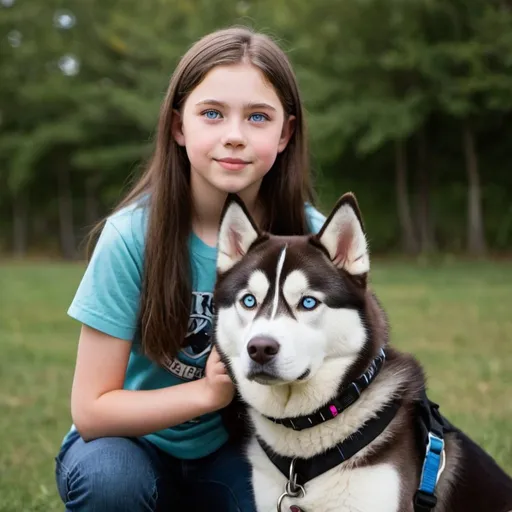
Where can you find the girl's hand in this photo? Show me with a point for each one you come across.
(219, 387)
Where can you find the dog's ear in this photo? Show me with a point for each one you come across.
(343, 236)
(236, 234)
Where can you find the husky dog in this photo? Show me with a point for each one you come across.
(339, 420)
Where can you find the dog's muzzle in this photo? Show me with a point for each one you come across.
(263, 351)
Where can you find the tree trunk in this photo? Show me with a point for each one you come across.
(475, 227)
(91, 200)
(506, 5)
(424, 218)
(67, 230)
(19, 224)
(409, 242)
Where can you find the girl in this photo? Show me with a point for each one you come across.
(147, 433)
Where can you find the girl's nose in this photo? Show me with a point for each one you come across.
(234, 134)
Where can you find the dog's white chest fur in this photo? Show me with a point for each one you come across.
(364, 489)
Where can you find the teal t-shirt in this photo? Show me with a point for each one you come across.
(107, 299)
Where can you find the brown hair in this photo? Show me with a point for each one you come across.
(166, 288)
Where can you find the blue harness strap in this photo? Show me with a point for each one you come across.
(432, 428)
(425, 498)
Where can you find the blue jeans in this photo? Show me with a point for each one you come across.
(130, 474)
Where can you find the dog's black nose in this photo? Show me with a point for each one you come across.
(262, 349)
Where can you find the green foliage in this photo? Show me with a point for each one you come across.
(85, 96)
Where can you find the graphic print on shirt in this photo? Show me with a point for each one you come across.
(189, 365)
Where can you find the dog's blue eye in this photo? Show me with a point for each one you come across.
(249, 301)
(309, 303)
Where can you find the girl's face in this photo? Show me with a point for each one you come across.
(232, 126)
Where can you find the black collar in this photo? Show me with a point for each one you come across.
(341, 402)
(307, 469)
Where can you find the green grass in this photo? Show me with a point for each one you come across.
(455, 317)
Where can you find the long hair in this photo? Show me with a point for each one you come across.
(166, 288)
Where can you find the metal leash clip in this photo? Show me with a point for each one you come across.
(292, 489)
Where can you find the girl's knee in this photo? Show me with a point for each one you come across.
(107, 474)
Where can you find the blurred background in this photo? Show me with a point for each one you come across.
(409, 105)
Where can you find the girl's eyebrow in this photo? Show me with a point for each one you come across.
(248, 106)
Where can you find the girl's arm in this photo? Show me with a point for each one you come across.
(100, 406)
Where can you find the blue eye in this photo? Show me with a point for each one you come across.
(309, 303)
(249, 301)
(211, 114)
(258, 118)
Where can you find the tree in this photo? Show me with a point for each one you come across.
(384, 84)
(471, 75)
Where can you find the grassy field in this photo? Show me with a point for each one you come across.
(455, 317)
